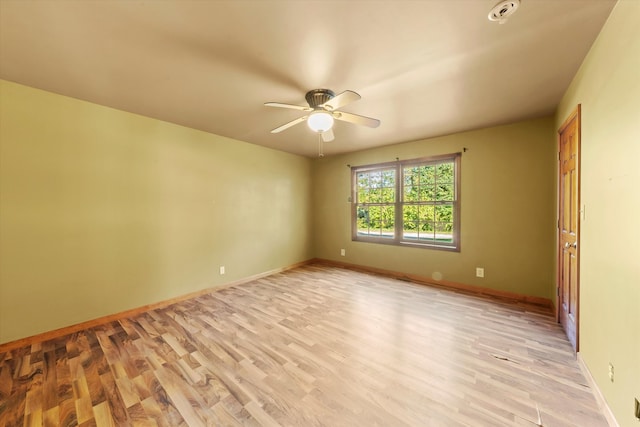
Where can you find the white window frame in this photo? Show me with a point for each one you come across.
(397, 236)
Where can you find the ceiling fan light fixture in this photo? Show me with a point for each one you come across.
(320, 121)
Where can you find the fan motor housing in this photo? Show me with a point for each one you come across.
(317, 97)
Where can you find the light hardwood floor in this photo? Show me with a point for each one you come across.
(313, 346)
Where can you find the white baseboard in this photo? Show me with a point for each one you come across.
(602, 403)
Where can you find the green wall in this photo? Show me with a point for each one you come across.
(608, 88)
(508, 209)
(103, 211)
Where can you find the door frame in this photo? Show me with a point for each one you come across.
(575, 114)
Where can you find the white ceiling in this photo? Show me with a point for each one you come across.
(424, 68)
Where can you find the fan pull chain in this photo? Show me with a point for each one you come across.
(320, 153)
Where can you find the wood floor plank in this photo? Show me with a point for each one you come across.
(313, 346)
(103, 415)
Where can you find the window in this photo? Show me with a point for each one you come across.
(410, 203)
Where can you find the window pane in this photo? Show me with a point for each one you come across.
(375, 179)
(426, 214)
(388, 221)
(363, 180)
(444, 192)
(388, 195)
(375, 217)
(444, 213)
(387, 215)
(410, 213)
(427, 194)
(427, 231)
(389, 178)
(363, 196)
(375, 195)
(445, 173)
(427, 175)
(410, 230)
(410, 177)
(362, 221)
(427, 227)
(411, 194)
(444, 232)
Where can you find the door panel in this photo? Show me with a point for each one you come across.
(569, 224)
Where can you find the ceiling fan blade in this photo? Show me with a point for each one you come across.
(356, 119)
(289, 124)
(340, 100)
(328, 136)
(293, 107)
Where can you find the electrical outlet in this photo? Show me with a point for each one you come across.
(637, 410)
(611, 371)
(343, 252)
(479, 272)
(222, 269)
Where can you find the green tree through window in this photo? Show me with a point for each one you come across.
(413, 202)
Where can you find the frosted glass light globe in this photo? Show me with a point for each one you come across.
(320, 121)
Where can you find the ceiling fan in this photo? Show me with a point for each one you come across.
(323, 109)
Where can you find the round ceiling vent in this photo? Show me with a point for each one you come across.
(503, 10)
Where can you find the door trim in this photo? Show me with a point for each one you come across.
(575, 114)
